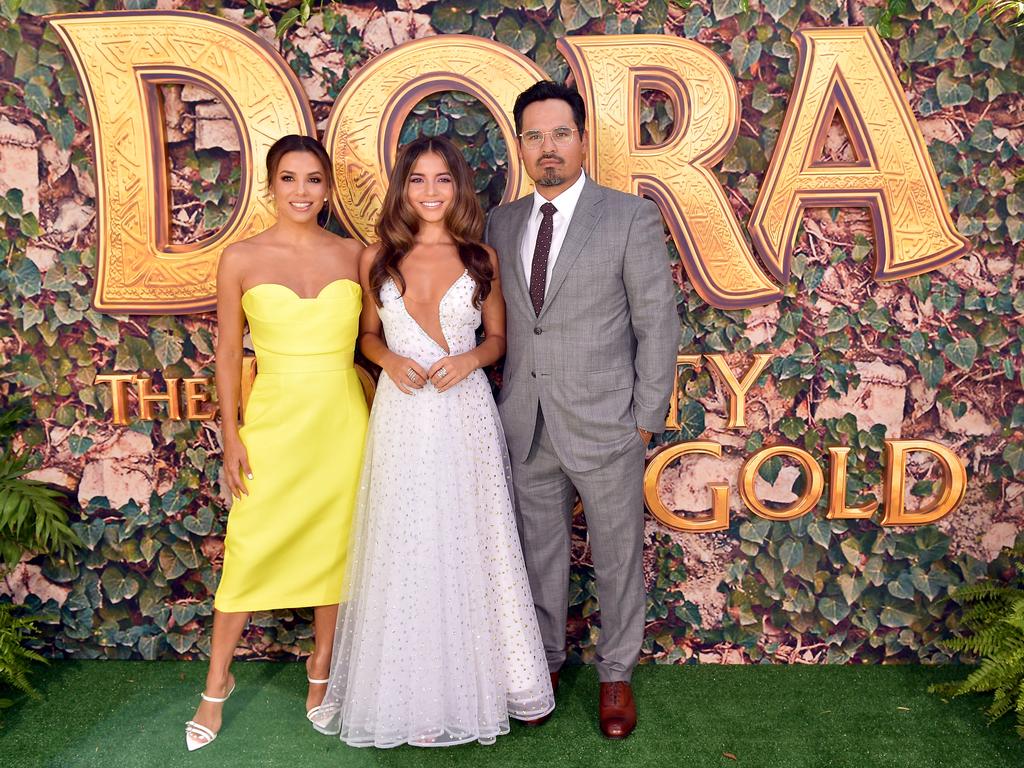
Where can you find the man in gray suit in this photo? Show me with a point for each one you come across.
(592, 334)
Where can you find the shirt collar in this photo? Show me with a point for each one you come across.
(566, 201)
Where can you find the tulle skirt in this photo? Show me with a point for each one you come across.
(437, 641)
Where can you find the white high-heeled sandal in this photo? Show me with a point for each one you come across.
(198, 735)
(312, 712)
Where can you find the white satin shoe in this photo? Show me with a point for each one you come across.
(198, 735)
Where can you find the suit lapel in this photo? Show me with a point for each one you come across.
(518, 217)
(581, 226)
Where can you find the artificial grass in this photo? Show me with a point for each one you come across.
(128, 714)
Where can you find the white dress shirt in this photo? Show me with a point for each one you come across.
(566, 204)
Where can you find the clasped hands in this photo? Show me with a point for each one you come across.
(408, 375)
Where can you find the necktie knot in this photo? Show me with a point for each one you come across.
(548, 210)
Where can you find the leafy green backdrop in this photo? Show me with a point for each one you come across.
(937, 356)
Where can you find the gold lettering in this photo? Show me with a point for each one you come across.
(846, 71)
(364, 125)
(122, 59)
(195, 396)
(672, 420)
(809, 497)
(837, 509)
(954, 482)
(119, 393)
(148, 398)
(719, 518)
(737, 390)
(610, 72)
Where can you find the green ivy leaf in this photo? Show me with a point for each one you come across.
(119, 585)
(778, 8)
(932, 369)
(27, 280)
(755, 529)
(135, 354)
(691, 420)
(450, 18)
(1013, 454)
(725, 9)
(851, 586)
(950, 91)
(895, 617)
(745, 53)
(833, 609)
(167, 345)
(820, 532)
(982, 137)
(791, 553)
(998, 52)
(825, 8)
(520, 37)
(962, 353)
(695, 21)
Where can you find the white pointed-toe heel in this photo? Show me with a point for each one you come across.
(198, 735)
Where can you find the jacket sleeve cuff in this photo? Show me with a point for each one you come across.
(650, 422)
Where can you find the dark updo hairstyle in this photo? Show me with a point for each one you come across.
(293, 142)
(399, 224)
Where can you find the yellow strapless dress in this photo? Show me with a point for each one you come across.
(305, 425)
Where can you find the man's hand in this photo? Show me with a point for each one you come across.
(645, 435)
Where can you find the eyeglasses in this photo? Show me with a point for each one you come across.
(561, 136)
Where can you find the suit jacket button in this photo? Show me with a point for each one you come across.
(538, 331)
(533, 374)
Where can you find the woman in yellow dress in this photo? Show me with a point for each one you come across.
(293, 466)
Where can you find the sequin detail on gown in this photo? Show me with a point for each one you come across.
(437, 640)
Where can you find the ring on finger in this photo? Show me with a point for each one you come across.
(411, 374)
(442, 372)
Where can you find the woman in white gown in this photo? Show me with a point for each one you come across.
(437, 640)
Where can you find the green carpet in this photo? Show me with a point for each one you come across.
(129, 714)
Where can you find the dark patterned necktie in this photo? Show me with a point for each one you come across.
(539, 269)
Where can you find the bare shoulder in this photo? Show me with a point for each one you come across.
(367, 254)
(345, 249)
(234, 257)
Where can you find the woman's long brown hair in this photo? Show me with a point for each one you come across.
(398, 224)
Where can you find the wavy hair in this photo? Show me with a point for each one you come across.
(399, 224)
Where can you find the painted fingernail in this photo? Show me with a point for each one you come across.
(249, 475)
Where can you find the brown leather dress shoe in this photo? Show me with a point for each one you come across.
(617, 710)
(544, 718)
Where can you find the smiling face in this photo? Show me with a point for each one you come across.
(429, 188)
(299, 187)
(554, 167)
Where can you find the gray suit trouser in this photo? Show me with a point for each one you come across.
(612, 498)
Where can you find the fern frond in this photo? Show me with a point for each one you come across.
(15, 658)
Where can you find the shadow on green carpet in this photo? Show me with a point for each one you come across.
(114, 713)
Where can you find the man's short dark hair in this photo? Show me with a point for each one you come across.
(545, 90)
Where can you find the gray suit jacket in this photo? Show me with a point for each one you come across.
(600, 358)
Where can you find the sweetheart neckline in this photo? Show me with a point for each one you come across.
(296, 295)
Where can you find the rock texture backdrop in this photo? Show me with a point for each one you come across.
(936, 356)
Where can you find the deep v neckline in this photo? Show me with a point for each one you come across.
(445, 346)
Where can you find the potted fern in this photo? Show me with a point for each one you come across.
(33, 518)
(994, 617)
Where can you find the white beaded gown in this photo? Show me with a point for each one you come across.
(437, 641)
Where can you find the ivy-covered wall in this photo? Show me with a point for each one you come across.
(937, 356)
